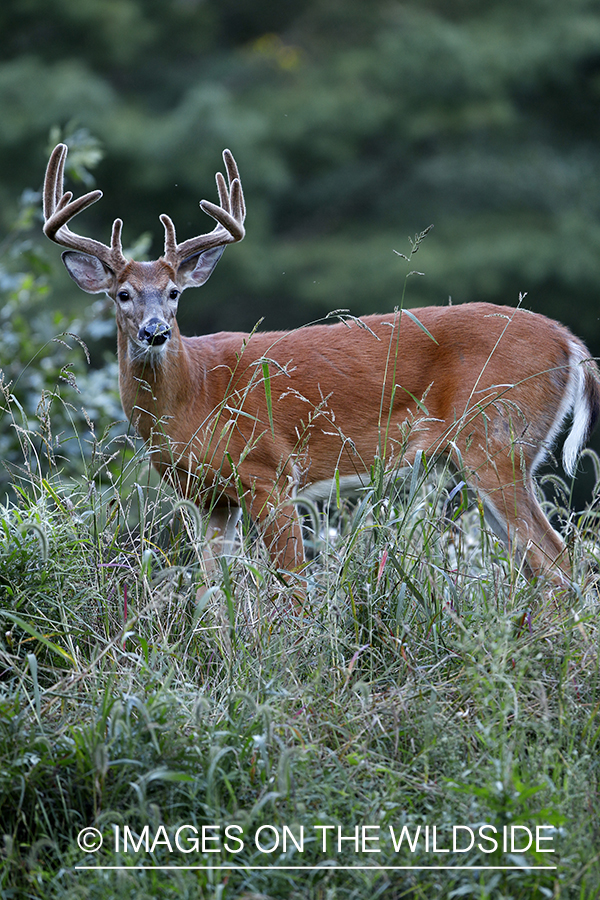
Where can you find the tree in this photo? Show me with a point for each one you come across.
(353, 125)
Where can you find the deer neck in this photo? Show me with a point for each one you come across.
(154, 384)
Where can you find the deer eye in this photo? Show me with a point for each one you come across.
(174, 294)
(123, 296)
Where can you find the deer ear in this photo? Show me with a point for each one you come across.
(92, 275)
(197, 269)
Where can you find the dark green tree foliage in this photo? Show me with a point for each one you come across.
(354, 125)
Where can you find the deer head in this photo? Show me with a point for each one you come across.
(146, 294)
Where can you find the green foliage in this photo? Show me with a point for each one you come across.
(353, 125)
(427, 681)
(428, 684)
(45, 363)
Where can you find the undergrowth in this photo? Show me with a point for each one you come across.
(225, 746)
(427, 683)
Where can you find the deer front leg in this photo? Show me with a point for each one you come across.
(267, 499)
(281, 532)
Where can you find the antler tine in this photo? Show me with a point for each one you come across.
(170, 237)
(229, 216)
(238, 207)
(59, 208)
(53, 182)
(229, 226)
(234, 175)
(223, 192)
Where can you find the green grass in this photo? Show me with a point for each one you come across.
(427, 684)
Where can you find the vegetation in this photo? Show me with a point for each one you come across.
(353, 125)
(427, 682)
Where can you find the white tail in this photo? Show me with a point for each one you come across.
(247, 420)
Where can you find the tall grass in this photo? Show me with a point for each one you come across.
(427, 683)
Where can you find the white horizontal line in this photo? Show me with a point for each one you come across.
(323, 866)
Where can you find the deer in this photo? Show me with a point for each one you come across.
(248, 421)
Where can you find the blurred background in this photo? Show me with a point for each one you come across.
(355, 125)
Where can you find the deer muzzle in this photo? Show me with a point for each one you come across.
(154, 332)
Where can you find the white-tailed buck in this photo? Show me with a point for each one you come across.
(238, 420)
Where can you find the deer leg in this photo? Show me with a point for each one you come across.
(283, 538)
(281, 532)
(514, 513)
(221, 535)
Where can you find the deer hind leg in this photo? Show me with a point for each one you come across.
(515, 515)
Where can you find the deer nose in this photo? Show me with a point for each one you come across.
(154, 332)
